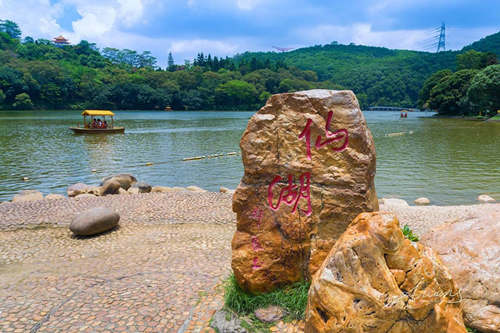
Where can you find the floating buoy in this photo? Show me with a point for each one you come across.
(231, 153)
(149, 163)
(26, 179)
(395, 134)
(94, 170)
(193, 158)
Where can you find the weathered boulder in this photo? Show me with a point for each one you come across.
(471, 251)
(126, 180)
(195, 189)
(485, 198)
(375, 280)
(76, 189)
(94, 221)
(111, 186)
(143, 187)
(422, 201)
(54, 197)
(309, 163)
(28, 195)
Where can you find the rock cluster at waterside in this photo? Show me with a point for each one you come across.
(309, 162)
(375, 280)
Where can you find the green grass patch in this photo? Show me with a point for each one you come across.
(408, 233)
(293, 299)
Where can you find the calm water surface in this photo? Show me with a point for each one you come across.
(450, 161)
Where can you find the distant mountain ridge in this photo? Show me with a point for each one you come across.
(378, 76)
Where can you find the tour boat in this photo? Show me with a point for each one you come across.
(168, 108)
(92, 127)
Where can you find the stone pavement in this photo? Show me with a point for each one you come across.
(161, 271)
(160, 277)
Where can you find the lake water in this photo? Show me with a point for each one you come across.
(450, 161)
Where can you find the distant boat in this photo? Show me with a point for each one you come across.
(168, 108)
(93, 127)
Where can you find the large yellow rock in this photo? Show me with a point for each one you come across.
(309, 162)
(374, 280)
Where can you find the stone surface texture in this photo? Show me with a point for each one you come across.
(375, 280)
(270, 314)
(94, 221)
(309, 162)
(28, 195)
(471, 251)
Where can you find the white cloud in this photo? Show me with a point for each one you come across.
(247, 4)
(36, 18)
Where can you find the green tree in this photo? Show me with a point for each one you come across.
(449, 95)
(475, 60)
(484, 91)
(2, 96)
(23, 102)
(236, 93)
(10, 28)
(430, 83)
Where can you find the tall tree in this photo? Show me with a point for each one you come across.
(10, 28)
(171, 63)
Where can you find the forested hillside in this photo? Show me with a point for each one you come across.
(38, 74)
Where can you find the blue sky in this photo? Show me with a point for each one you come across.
(226, 27)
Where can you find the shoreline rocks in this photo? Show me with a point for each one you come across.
(422, 201)
(485, 198)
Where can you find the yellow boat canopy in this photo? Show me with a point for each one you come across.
(97, 113)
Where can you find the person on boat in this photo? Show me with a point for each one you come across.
(94, 123)
(105, 124)
(99, 123)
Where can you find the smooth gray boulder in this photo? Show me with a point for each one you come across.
(143, 187)
(126, 180)
(94, 221)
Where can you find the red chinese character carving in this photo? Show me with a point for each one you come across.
(255, 264)
(256, 244)
(331, 137)
(291, 194)
(257, 214)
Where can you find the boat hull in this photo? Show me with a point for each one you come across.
(80, 130)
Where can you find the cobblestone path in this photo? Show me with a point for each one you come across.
(160, 275)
